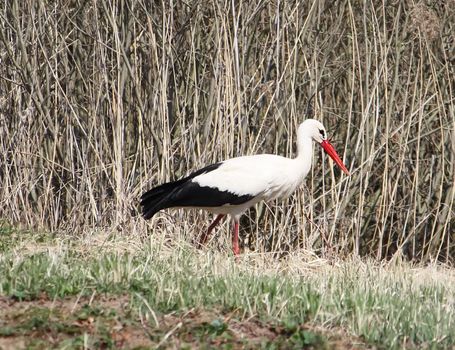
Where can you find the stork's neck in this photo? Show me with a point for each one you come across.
(304, 153)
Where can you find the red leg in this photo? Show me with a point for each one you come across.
(235, 238)
(205, 235)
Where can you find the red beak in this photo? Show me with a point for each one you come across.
(328, 148)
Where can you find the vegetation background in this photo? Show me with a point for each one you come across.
(101, 100)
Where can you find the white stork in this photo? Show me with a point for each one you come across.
(234, 185)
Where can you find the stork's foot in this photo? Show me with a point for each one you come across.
(205, 236)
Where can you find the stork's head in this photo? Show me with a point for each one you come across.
(315, 130)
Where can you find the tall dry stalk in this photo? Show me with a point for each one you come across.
(101, 100)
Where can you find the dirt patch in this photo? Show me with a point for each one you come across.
(111, 322)
(101, 322)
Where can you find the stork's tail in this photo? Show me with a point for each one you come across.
(157, 198)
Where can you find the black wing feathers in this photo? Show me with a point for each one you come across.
(165, 188)
(186, 193)
(191, 194)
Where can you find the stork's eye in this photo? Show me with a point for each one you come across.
(322, 132)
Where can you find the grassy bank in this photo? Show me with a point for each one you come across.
(105, 99)
(123, 290)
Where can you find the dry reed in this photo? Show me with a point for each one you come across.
(102, 99)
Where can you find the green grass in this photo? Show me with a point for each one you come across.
(391, 306)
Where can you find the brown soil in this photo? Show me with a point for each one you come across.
(109, 322)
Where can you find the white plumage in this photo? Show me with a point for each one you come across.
(261, 175)
(233, 186)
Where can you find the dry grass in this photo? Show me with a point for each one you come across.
(102, 100)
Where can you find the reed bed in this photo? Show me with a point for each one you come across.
(103, 99)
